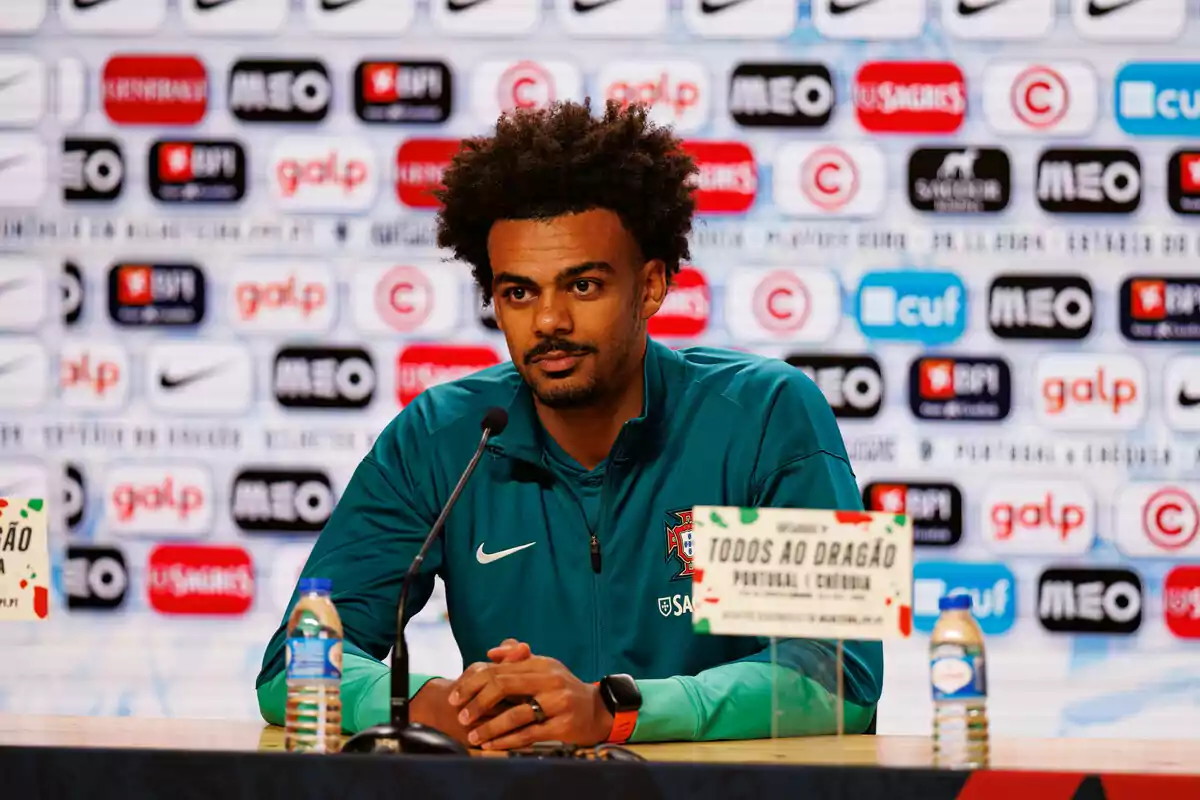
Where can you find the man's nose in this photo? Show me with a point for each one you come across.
(553, 315)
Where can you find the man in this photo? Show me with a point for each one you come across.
(569, 547)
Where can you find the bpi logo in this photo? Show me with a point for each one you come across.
(172, 501)
(95, 578)
(1182, 393)
(1050, 99)
(781, 95)
(93, 377)
(869, 19)
(959, 180)
(1105, 601)
(421, 366)
(1159, 309)
(813, 179)
(936, 509)
(852, 385)
(283, 297)
(771, 305)
(197, 171)
(197, 579)
(991, 587)
(1183, 182)
(910, 96)
(324, 378)
(93, 170)
(1089, 181)
(419, 167)
(913, 306)
(685, 311)
(403, 92)
(279, 91)
(154, 90)
(312, 173)
(1158, 98)
(679, 544)
(676, 92)
(1181, 601)
(286, 501)
(156, 294)
(1091, 392)
(1159, 520)
(407, 299)
(1038, 518)
(506, 86)
(727, 178)
(1040, 307)
(960, 389)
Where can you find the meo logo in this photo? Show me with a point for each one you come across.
(926, 307)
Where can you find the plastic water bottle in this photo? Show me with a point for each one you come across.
(313, 720)
(959, 676)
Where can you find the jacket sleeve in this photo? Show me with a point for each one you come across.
(373, 534)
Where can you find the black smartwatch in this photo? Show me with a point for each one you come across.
(623, 699)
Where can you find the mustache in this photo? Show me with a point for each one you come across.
(556, 346)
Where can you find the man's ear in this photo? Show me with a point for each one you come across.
(654, 286)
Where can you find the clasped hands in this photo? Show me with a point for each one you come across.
(488, 705)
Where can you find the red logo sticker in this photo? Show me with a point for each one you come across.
(1181, 601)
(728, 177)
(910, 96)
(420, 366)
(196, 579)
(686, 309)
(154, 90)
(419, 167)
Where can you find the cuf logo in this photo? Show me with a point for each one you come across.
(913, 306)
(679, 542)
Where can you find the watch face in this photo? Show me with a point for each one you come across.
(621, 693)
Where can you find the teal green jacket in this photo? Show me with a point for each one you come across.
(605, 569)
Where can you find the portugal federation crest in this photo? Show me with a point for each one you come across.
(679, 542)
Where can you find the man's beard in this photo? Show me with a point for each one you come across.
(569, 397)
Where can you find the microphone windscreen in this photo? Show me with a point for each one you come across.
(495, 420)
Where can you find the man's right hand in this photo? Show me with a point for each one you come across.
(431, 704)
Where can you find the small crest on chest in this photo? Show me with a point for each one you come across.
(679, 542)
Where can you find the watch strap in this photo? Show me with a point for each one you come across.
(623, 724)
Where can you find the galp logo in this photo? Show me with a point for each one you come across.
(1105, 601)
(727, 178)
(156, 294)
(1057, 98)
(1181, 601)
(781, 95)
(991, 587)
(794, 305)
(195, 579)
(285, 501)
(506, 86)
(852, 385)
(199, 377)
(1159, 520)
(419, 167)
(93, 376)
(960, 389)
(313, 173)
(1038, 517)
(1183, 182)
(1160, 309)
(279, 91)
(1182, 393)
(93, 170)
(324, 378)
(815, 179)
(910, 96)
(282, 297)
(1040, 306)
(404, 298)
(94, 578)
(1089, 181)
(676, 92)
(420, 366)
(1158, 98)
(197, 171)
(936, 508)
(403, 92)
(168, 500)
(154, 90)
(1090, 392)
(913, 306)
(959, 180)
(685, 311)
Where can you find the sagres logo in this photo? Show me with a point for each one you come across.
(93, 377)
(197, 579)
(1044, 517)
(1129, 20)
(1090, 392)
(197, 171)
(679, 544)
(156, 294)
(1105, 601)
(1161, 308)
(910, 96)
(794, 305)
(23, 293)
(324, 377)
(814, 179)
(919, 306)
(1181, 601)
(199, 377)
(280, 296)
(168, 500)
(505, 86)
(959, 180)
(727, 181)
(686, 310)
(991, 587)
(95, 577)
(408, 299)
(676, 92)
(1036, 306)
(1182, 393)
(279, 90)
(287, 501)
(419, 167)
(781, 95)
(852, 385)
(936, 508)
(1159, 520)
(1089, 181)
(420, 366)
(1183, 182)
(93, 170)
(314, 173)
(960, 389)
(154, 90)
(869, 19)
(1057, 98)
(404, 92)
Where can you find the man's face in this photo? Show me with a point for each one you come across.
(572, 296)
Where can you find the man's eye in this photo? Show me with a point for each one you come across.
(585, 286)
(516, 293)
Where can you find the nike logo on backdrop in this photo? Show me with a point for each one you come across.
(209, 5)
(488, 558)
(1188, 400)
(336, 5)
(10, 161)
(178, 382)
(11, 366)
(9, 285)
(462, 5)
(582, 7)
(837, 8)
(12, 79)
(710, 7)
(967, 10)
(1094, 9)
(84, 5)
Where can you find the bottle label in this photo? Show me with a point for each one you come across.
(313, 659)
(958, 672)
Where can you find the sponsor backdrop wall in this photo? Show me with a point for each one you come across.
(970, 221)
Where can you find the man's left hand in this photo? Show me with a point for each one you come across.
(574, 711)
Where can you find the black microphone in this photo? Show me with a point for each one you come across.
(403, 736)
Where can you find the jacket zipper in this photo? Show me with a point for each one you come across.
(595, 553)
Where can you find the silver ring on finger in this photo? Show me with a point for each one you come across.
(539, 716)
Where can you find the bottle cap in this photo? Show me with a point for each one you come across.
(955, 602)
(318, 585)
